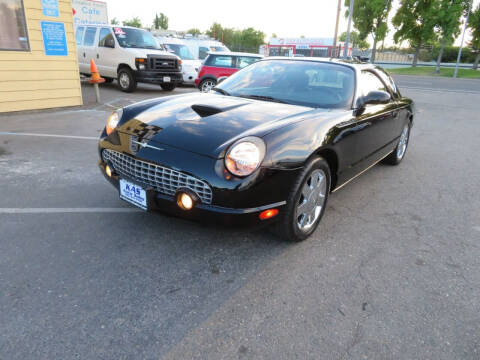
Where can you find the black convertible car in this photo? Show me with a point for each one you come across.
(267, 145)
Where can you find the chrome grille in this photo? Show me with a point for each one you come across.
(162, 63)
(162, 179)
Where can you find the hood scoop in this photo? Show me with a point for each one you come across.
(208, 110)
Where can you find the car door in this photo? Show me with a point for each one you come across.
(106, 59)
(79, 31)
(89, 47)
(376, 122)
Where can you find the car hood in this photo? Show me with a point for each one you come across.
(208, 123)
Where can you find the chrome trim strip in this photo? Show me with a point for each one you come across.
(360, 173)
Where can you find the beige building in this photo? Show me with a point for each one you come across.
(38, 55)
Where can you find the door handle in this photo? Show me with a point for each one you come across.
(98, 56)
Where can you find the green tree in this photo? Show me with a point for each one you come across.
(194, 31)
(160, 21)
(135, 22)
(362, 44)
(415, 21)
(274, 35)
(114, 21)
(370, 18)
(474, 25)
(448, 18)
(249, 38)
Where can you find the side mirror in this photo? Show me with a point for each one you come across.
(376, 97)
(372, 98)
(110, 43)
(221, 78)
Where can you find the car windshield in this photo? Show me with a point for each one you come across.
(180, 50)
(135, 38)
(306, 83)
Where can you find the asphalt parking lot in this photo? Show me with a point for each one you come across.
(393, 272)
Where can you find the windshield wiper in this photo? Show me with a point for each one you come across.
(221, 91)
(263, 97)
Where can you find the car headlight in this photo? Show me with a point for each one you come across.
(113, 120)
(245, 156)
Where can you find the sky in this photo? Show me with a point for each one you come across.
(286, 19)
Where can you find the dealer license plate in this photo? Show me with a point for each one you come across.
(133, 194)
(166, 79)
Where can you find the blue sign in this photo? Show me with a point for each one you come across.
(50, 8)
(54, 38)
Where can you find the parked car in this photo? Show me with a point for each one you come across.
(190, 65)
(200, 47)
(266, 146)
(128, 54)
(221, 64)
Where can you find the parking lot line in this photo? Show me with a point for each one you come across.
(66, 210)
(50, 135)
(440, 90)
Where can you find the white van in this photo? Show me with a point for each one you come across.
(190, 64)
(127, 54)
(201, 47)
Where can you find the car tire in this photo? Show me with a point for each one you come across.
(207, 84)
(126, 80)
(168, 87)
(108, 80)
(306, 202)
(397, 155)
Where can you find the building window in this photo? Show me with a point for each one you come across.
(13, 26)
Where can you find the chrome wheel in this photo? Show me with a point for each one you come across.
(124, 80)
(312, 200)
(207, 85)
(403, 142)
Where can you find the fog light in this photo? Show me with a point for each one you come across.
(185, 201)
(268, 214)
(141, 67)
(108, 171)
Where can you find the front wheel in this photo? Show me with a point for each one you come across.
(168, 87)
(398, 153)
(126, 80)
(207, 85)
(306, 202)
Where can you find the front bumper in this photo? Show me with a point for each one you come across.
(206, 213)
(157, 77)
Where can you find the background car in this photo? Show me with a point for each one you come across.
(221, 64)
(128, 54)
(266, 146)
(190, 64)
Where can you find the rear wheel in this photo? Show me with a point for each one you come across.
(398, 153)
(126, 80)
(306, 202)
(207, 85)
(168, 87)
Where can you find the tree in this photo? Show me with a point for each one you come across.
(274, 35)
(194, 31)
(474, 25)
(448, 17)
(160, 22)
(362, 44)
(114, 21)
(135, 22)
(237, 39)
(415, 21)
(370, 18)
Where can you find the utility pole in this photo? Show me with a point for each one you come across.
(339, 9)
(463, 36)
(347, 38)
